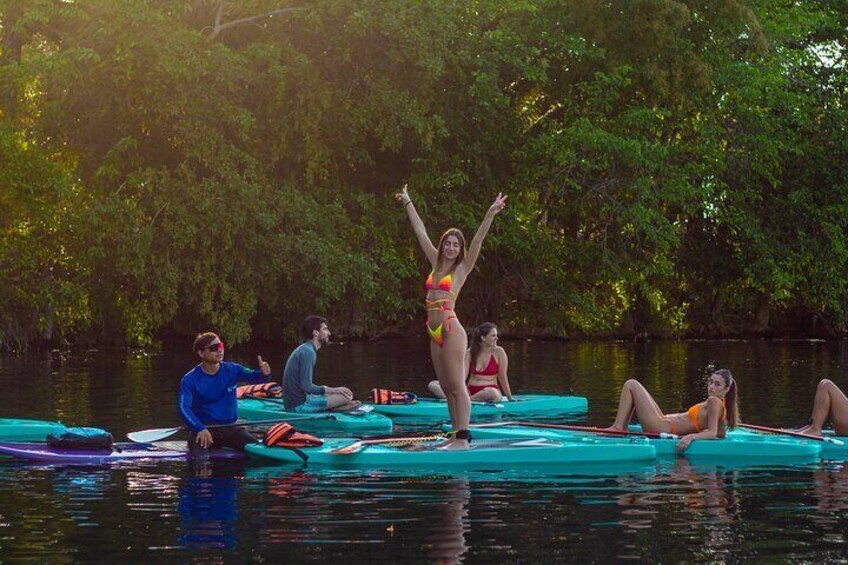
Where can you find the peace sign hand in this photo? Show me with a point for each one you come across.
(499, 204)
(403, 195)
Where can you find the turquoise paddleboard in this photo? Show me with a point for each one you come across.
(734, 446)
(483, 455)
(120, 452)
(522, 406)
(358, 422)
(18, 429)
(829, 450)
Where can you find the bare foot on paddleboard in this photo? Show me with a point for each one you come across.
(349, 407)
(446, 443)
(809, 431)
(455, 445)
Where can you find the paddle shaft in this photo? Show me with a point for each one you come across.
(359, 411)
(473, 402)
(256, 422)
(590, 429)
(156, 434)
(791, 433)
(271, 400)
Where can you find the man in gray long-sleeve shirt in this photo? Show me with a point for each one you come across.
(300, 394)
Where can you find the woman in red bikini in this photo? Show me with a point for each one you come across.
(487, 365)
(709, 419)
(450, 266)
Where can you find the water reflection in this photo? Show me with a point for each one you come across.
(208, 506)
(448, 524)
(426, 516)
(682, 510)
(77, 489)
(830, 488)
(294, 513)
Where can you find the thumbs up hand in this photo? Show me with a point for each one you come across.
(264, 366)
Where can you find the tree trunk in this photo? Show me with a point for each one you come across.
(761, 316)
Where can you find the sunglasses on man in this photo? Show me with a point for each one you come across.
(216, 347)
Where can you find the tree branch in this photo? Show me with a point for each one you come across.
(218, 14)
(219, 27)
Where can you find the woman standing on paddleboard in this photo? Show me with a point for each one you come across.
(450, 266)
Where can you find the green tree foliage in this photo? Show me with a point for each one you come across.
(673, 166)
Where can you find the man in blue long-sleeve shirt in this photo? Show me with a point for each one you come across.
(208, 395)
(300, 394)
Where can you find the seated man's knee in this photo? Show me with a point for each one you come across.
(334, 400)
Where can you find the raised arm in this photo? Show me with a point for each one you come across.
(418, 227)
(477, 242)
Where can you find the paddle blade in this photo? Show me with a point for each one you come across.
(149, 436)
(349, 449)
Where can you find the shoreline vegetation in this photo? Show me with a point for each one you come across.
(673, 170)
(173, 341)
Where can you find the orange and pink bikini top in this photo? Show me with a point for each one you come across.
(444, 283)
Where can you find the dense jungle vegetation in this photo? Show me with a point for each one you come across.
(674, 167)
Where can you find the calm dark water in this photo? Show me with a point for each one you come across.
(670, 511)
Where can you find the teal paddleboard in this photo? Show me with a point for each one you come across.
(734, 446)
(483, 455)
(19, 429)
(120, 452)
(522, 406)
(829, 450)
(358, 422)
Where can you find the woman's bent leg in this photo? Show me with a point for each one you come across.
(436, 389)
(829, 402)
(487, 395)
(634, 397)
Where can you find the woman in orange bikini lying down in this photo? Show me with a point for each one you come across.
(487, 365)
(449, 268)
(709, 419)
